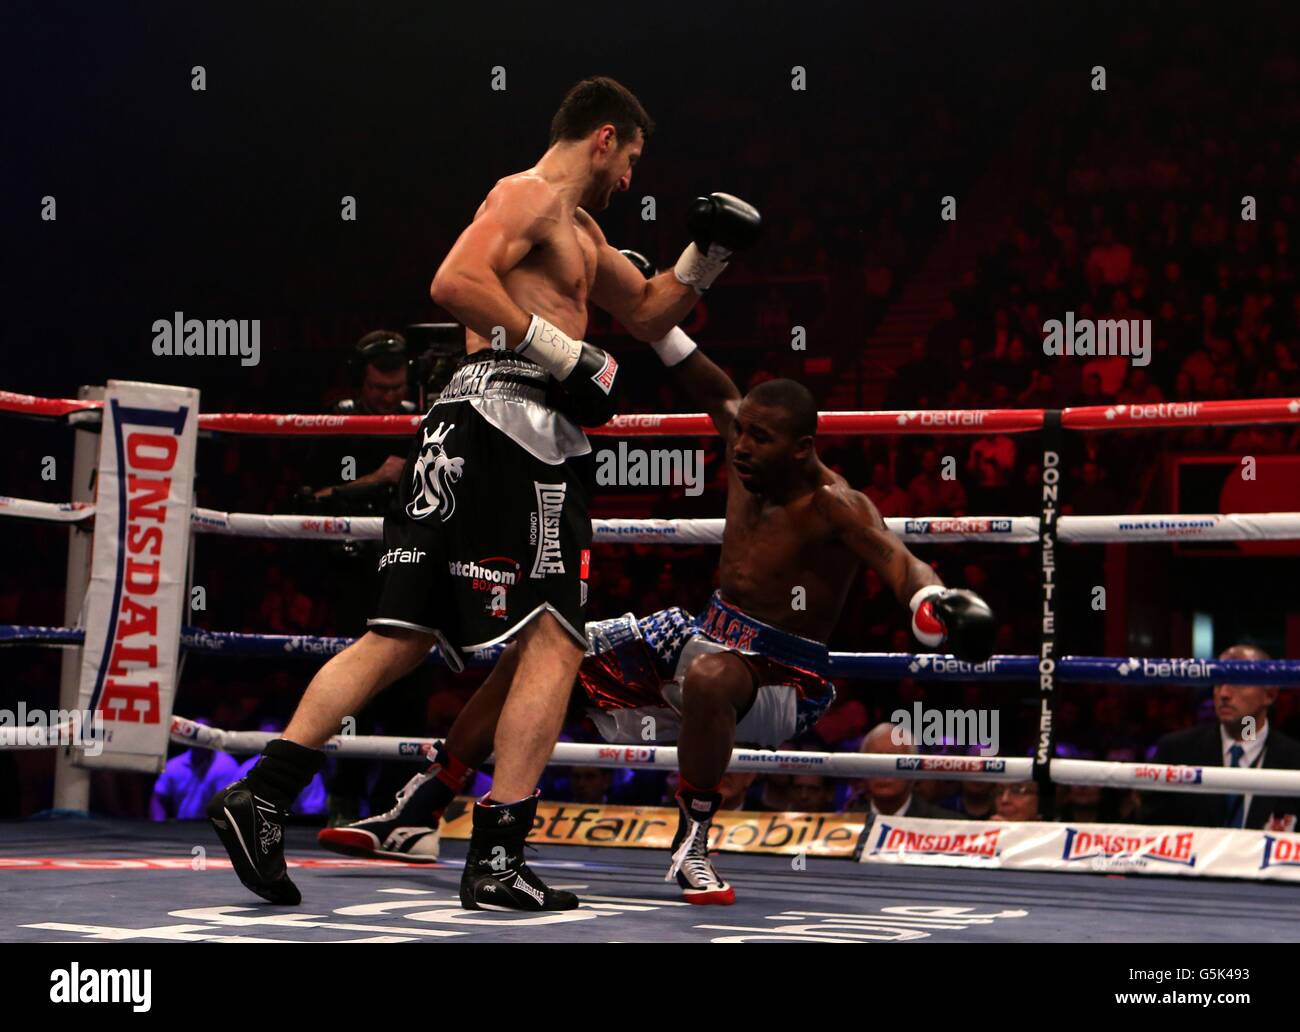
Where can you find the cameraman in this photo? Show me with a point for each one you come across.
(380, 367)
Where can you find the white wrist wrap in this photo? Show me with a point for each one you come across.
(699, 270)
(673, 347)
(552, 349)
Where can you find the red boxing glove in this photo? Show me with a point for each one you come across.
(954, 617)
(926, 627)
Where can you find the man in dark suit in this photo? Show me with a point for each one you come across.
(1240, 737)
(892, 797)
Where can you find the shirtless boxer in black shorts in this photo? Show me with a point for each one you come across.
(754, 666)
(497, 481)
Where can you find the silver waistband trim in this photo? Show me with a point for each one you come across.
(506, 378)
(518, 409)
(540, 431)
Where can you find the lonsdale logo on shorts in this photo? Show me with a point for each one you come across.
(545, 531)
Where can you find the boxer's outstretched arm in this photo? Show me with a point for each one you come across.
(517, 215)
(957, 619)
(647, 308)
(862, 529)
(708, 387)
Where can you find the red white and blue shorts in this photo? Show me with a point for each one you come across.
(636, 669)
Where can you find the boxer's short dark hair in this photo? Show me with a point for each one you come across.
(794, 399)
(599, 101)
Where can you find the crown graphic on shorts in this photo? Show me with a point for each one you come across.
(439, 435)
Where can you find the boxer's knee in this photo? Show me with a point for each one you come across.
(717, 680)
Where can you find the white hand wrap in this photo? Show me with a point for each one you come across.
(674, 347)
(552, 349)
(699, 270)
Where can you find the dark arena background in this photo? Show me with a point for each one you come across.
(947, 190)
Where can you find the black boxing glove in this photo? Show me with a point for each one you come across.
(720, 225)
(643, 264)
(587, 373)
(954, 617)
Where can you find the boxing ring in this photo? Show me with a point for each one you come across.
(100, 880)
(115, 881)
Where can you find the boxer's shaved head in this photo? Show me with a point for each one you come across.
(794, 400)
(599, 101)
(773, 442)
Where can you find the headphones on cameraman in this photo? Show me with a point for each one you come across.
(376, 346)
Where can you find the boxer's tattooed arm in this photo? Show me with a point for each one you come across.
(859, 525)
(707, 386)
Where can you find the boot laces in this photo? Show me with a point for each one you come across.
(692, 856)
(403, 794)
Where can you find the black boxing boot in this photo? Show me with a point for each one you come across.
(496, 877)
(695, 874)
(249, 817)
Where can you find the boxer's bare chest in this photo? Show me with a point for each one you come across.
(783, 564)
(555, 278)
(566, 257)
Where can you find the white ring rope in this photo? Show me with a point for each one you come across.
(1254, 526)
(1105, 773)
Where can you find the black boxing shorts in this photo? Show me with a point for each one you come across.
(493, 527)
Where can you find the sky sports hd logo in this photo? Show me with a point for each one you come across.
(958, 525)
(959, 764)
